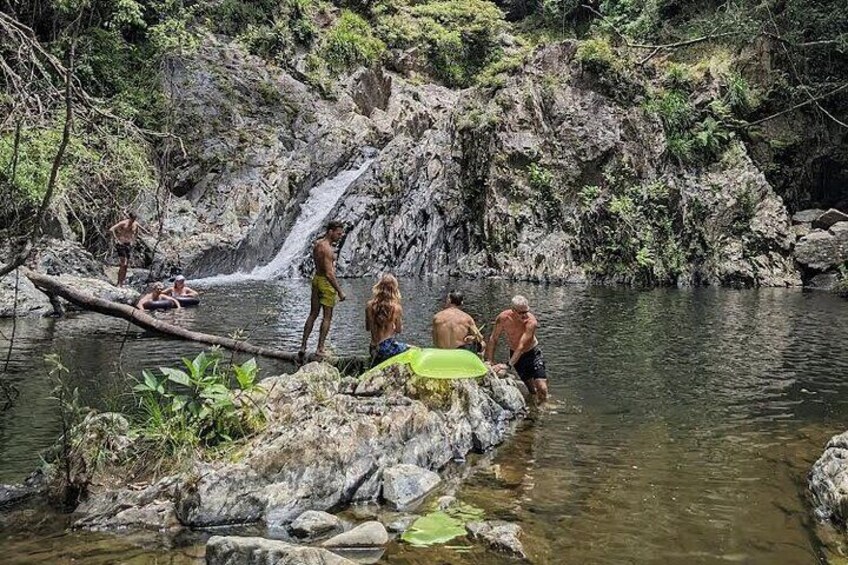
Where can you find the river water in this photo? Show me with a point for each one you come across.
(682, 426)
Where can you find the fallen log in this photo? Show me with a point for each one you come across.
(140, 318)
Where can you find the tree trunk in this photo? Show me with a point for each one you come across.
(143, 320)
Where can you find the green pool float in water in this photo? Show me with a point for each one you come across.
(439, 363)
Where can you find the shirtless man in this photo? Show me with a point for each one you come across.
(124, 233)
(157, 293)
(454, 329)
(384, 320)
(524, 353)
(326, 291)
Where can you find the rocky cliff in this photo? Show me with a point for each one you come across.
(553, 176)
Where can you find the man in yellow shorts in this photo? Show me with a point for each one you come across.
(325, 288)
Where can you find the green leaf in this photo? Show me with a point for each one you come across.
(434, 528)
(176, 376)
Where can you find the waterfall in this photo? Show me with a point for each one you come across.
(319, 203)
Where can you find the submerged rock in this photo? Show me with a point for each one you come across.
(233, 550)
(314, 523)
(369, 534)
(321, 449)
(403, 484)
(498, 535)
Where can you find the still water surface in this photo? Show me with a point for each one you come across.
(682, 428)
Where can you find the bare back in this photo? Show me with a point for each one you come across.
(324, 256)
(450, 328)
(387, 329)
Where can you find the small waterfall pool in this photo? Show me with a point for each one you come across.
(683, 425)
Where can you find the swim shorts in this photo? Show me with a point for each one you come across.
(531, 365)
(387, 349)
(124, 250)
(327, 295)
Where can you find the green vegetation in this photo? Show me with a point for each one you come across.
(441, 526)
(631, 231)
(458, 37)
(350, 43)
(206, 405)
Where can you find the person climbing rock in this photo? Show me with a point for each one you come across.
(384, 320)
(326, 292)
(455, 329)
(525, 356)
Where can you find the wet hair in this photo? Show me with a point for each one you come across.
(334, 225)
(384, 296)
(158, 286)
(455, 297)
(132, 216)
(519, 301)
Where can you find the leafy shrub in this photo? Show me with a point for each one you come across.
(459, 37)
(204, 406)
(588, 195)
(674, 109)
(540, 178)
(740, 97)
(350, 43)
(598, 56)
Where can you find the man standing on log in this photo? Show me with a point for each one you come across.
(524, 353)
(326, 291)
(124, 233)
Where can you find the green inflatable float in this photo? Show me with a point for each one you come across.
(439, 363)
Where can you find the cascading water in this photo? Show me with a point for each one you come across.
(320, 202)
(314, 211)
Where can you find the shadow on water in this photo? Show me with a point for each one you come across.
(683, 425)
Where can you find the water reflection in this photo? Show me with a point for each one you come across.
(684, 424)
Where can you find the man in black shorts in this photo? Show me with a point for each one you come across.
(524, 353)
(124, 233)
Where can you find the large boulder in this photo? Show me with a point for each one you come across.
(19, 297)
(403, 484)
(314, 523)
(806, 216)
(323, 448)
(828, 481)
(369, 534)
(827, 219)
(233, 550)
(823, 250)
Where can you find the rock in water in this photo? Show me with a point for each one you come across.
(823, 250)
(500, 536)
(233, 550)
(314, 523)
(320, 449)
(828, 481)
(369, 534)
(403, 484)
